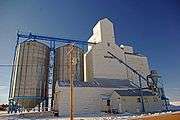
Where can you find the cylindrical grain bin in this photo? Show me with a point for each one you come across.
(68, 63)
(30, 74)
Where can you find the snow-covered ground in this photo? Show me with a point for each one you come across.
(175, 106)
(103, 116)
(176, 103)
(125, 116)
(77, 118)
(5, 116)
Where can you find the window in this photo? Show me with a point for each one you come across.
(155, 99)
(138, 100)
(108, 44)
(108, 102)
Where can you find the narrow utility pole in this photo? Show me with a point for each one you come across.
(71, 88)
(71, 84)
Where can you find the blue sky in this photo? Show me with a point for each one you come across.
(152, 27)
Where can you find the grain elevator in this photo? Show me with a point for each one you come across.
(105, 77)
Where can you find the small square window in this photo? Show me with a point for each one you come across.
(108, 102)
(155, 99)
(138, 100)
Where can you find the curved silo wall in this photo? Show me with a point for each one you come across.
(68, 63)
(30, 74)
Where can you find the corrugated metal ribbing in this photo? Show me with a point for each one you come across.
(30, 74)
(63, 61)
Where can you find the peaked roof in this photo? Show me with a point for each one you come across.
(105, 19)
(133, 92)
(106, 83)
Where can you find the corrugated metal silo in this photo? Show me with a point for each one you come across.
(68, 63)
(30, 74)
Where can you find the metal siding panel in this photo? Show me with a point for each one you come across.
(32, 72)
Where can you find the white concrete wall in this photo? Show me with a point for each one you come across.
(103, 34)
(153, 104)
(88, 63)
(103, 31)
(101, 67)
(106, 67)
(130, 104)
(89, 100)
(86, 100)
(140, 64)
